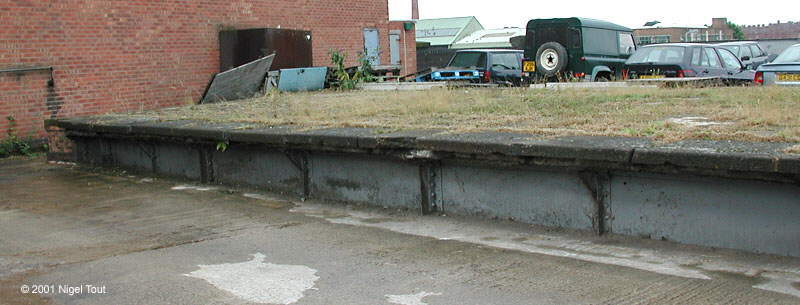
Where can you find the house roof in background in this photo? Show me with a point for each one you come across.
(442, 31)
(493, 38)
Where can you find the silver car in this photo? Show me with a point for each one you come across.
(783, 71)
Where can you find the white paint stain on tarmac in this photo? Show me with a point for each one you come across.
(258, 281)
(547, 245)
(193, 188)
(778, 278)
(781, 283)
(410, 299)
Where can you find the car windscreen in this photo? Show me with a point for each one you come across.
(469, 59)
(791, 55)
(658, 55)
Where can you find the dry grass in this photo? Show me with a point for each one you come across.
(793, 150)
(746, 113)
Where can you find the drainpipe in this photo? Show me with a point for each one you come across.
(405, 53)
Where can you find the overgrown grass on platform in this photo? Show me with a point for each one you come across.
(737, 113)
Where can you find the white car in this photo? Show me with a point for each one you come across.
(783, 71)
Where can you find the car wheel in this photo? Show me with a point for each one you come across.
(603, 78)
(551, 59)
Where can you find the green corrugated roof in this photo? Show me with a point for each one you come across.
(443, 23)
(446, 30)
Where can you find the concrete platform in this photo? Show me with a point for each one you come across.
(722, 194)
(149, 240)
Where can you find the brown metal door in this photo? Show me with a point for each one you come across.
(292, 47)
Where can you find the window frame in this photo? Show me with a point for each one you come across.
(718, 60)
(721, 51)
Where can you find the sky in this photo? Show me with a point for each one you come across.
(633, 14)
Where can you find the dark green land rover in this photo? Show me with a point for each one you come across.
(576, 48)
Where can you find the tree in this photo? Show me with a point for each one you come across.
(737, 31)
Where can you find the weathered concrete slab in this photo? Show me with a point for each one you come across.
(365, 179)
(613, 149)
(472, 143)
(401, 86)
(619, 185)
(595, 85)
(555, 199)
(749, 215)
(721, 155)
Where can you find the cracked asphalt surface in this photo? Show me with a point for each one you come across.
(143, 240)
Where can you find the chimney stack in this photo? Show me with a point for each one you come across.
(415, 9)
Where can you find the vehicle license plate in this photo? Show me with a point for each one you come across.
(528, 66)
(650, 76)
(787, 77)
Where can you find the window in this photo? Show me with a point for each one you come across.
(711, 58)
(506, 61)
(696, 56)
(730, 60)
(468, 59)
(661, 39)
(745, 51)
(626, 45)
(734, 49)
(643, 40)
(575, 37)
(658, 55)
(757, 52)
(600, 42)
(791, 55)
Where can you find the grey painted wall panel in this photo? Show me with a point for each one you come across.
(131, 155)
(748, 215)
(740, 214)
(365, 179)
(538, 197)
(177, 160)
(257, 167)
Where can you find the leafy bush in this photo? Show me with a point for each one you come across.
(13, 145)
(346, 80)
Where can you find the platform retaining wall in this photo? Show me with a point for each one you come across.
(747, 199)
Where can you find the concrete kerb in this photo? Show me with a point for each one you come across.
(587, 183)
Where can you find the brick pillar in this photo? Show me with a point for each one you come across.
(60, 148)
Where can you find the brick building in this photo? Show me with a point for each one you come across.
(786, 30)
(664, 33)
(112, 56)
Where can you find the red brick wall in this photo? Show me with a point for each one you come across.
(773, 31)
(24, 97)
(408, 40)
(111, 56)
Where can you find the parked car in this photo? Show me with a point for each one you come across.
(687, 60)
(587, 49)
(499, 66)
(749, 52)
(783, 71)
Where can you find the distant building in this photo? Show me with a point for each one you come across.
(786, 30)
(489, 39)
(665, 33)
(61, 59)
(436, 36)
